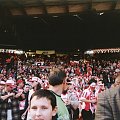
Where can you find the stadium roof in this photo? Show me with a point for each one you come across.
(38, 7)
(59, 24)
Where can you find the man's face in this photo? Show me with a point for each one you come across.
(41, 109)
(65, 86)
(92, 86)
(33, 83)
(9, 88)
(117, 82)
(2, 86)
(101, 85)
(27, 88)
(21, 84)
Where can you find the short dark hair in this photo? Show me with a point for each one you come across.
(91, 81)
(27, 84)
(43, 93)
(56, 76)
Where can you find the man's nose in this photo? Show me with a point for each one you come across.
(38, 112)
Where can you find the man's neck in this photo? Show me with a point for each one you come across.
(56, 89)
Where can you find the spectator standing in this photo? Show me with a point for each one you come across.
(2, 87)
(26, 93)
(57, 81)
(70, 99)
(88, 99)
(19, 89)
(35, 86)
(108, 105)
(9, 104)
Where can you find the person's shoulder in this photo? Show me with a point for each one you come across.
(56, 95)
(110, 92)
(86, 90)
(113, 90)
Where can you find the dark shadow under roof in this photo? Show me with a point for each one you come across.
(59, 24)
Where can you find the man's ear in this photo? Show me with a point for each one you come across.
(64, 80)
(54, 112)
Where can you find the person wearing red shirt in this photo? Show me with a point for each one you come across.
(88, 99)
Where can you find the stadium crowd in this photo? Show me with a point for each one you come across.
(21, 76)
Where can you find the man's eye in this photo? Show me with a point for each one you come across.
(44, 107)
(34, 107)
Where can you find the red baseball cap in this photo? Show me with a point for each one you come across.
(19, 81)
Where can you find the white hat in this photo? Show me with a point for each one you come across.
(2, 82)
(35, 79)
(93, 84)
(11, 82)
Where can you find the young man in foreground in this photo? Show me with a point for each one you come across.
(43, 105)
